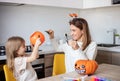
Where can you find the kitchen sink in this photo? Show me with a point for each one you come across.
(108, 45)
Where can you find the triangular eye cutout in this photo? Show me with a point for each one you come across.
(82, 66)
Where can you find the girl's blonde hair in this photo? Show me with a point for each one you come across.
(12, 46)
(82, 25)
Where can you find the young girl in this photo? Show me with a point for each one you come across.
(19, 62)
(81, 46)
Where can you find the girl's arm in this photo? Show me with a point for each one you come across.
(34, 54)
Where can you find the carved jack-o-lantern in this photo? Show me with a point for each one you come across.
(86, 66)
(36, 35)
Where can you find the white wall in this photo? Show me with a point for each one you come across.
(100, 20)
(24, 20)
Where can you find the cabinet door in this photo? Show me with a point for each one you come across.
(79, 4)
(104, 57)
(96, 3)
(49, 60)
(13, 1)
(48, 71)
(48, 64)
(54, 3)
(116, 58)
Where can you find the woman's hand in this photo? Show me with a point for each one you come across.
(73, 44)
(50, 33)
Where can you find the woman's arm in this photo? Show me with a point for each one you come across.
(56, 45)
(89, 53)
(54, 41)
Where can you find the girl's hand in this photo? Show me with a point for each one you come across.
(50, 33)
(38, 42)
(73, 44)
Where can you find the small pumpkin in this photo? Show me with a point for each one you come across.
(73, 15)
(84, 67)
(36, 35)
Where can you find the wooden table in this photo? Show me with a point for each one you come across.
(108, 71)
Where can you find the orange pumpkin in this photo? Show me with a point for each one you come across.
(73, 15)
(86, 66)
(36, 35)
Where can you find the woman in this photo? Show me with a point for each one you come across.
(79, 47)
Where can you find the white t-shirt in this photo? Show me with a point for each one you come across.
(23, 71)
(71, 55)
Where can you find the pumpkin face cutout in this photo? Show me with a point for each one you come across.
(84, 67)
(35, 36)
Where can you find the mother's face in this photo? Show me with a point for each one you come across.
(75, 32)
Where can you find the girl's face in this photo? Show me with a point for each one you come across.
(75, 32)
(21, 50)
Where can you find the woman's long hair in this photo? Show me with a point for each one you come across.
(12, 46)
(82, 25)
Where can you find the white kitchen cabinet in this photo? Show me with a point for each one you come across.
(14, 1)
(96, 3)
(54, 3)
(79, 4)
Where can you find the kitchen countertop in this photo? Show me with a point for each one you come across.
(108, 71)
(40, 53)
(112, 49)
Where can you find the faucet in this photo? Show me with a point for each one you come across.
(114, 35)
(114, 39)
